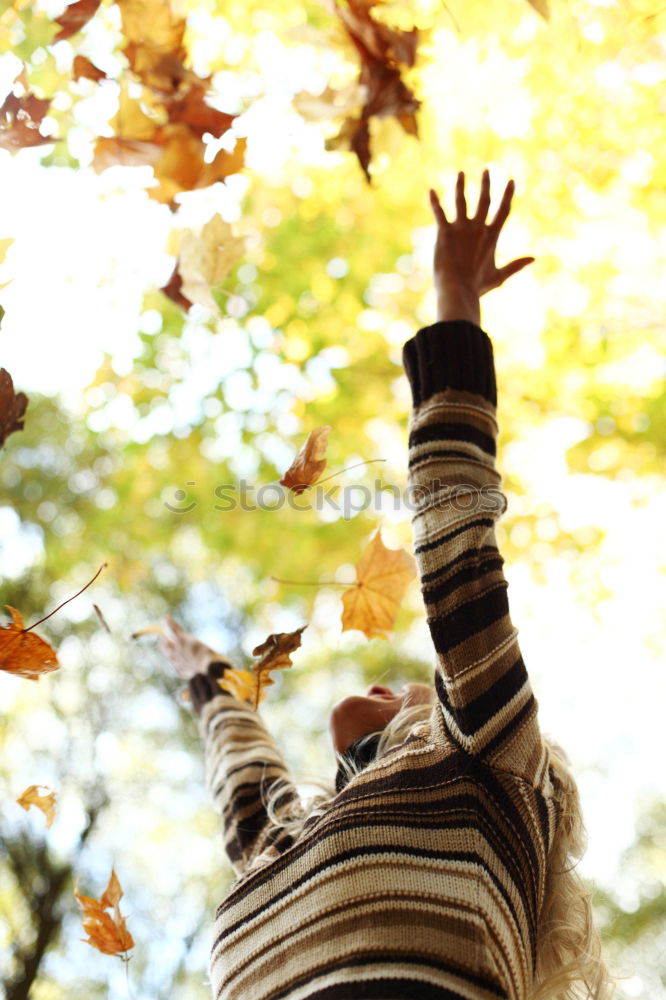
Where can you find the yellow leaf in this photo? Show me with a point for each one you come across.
(32, 797)
(4, 247)
(206, 259)
(309, 464)
(106, 933)
(243, 685)
(382, 577)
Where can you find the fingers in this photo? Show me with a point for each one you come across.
(461, 204)
(437, 209)
(504, 209)
(484, 198)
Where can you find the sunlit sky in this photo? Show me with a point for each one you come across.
(86, 249)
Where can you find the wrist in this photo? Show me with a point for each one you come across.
(457, 301)
(458, 309)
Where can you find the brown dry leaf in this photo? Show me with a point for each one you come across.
(275, 653)
(12, 407)
(382, 50)
(20, 118)
(106, 933)
(23, 653)
(382, 577)
(32, 797)
(276, 650)
(83, 67)
(191, 109)
(309, 464)
(75, 17)
(173, 290)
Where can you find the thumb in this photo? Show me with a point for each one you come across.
(516, 265)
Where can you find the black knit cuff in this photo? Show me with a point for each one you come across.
(455, 354)
(204, 687)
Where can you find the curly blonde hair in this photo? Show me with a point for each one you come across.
(569, 961)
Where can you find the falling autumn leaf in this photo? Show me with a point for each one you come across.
(245, 685)
(82, 67)
(309, 463)
(107, 933)
(12, 407)
(32, 797)
(23, 653)
(541, 7)
(148, 630)
(276, 650)
(173, 290)
(20, 118)
(382, 51)
(206, 259)
(75, 17)
(382, 577)
(275, 653)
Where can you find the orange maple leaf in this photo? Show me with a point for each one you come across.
(108, 933)
(309, 463)
(382, 577)
(22, 652)
(32, 797)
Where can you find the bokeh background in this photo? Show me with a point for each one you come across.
(139, 410)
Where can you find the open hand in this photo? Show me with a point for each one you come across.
(187, 655)
(464, 265)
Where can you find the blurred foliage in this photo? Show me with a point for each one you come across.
(336, 276)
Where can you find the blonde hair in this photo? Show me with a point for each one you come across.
(569, 961)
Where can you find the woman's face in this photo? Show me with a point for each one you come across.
(358, 715)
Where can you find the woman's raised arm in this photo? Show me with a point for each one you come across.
(488, 708)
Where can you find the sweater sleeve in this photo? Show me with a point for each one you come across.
(488, 708)
(243, 765)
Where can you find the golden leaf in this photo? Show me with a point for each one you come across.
(106, 933)
(309, 464)
(243, 685)
(46, 802)
(382, 577)
(22, 652)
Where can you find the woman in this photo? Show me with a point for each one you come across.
(441, 865)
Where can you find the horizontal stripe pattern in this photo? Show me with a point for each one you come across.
(424, 878)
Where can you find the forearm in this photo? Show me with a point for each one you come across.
(243, 763)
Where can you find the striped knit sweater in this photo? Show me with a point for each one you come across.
(424, 878)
